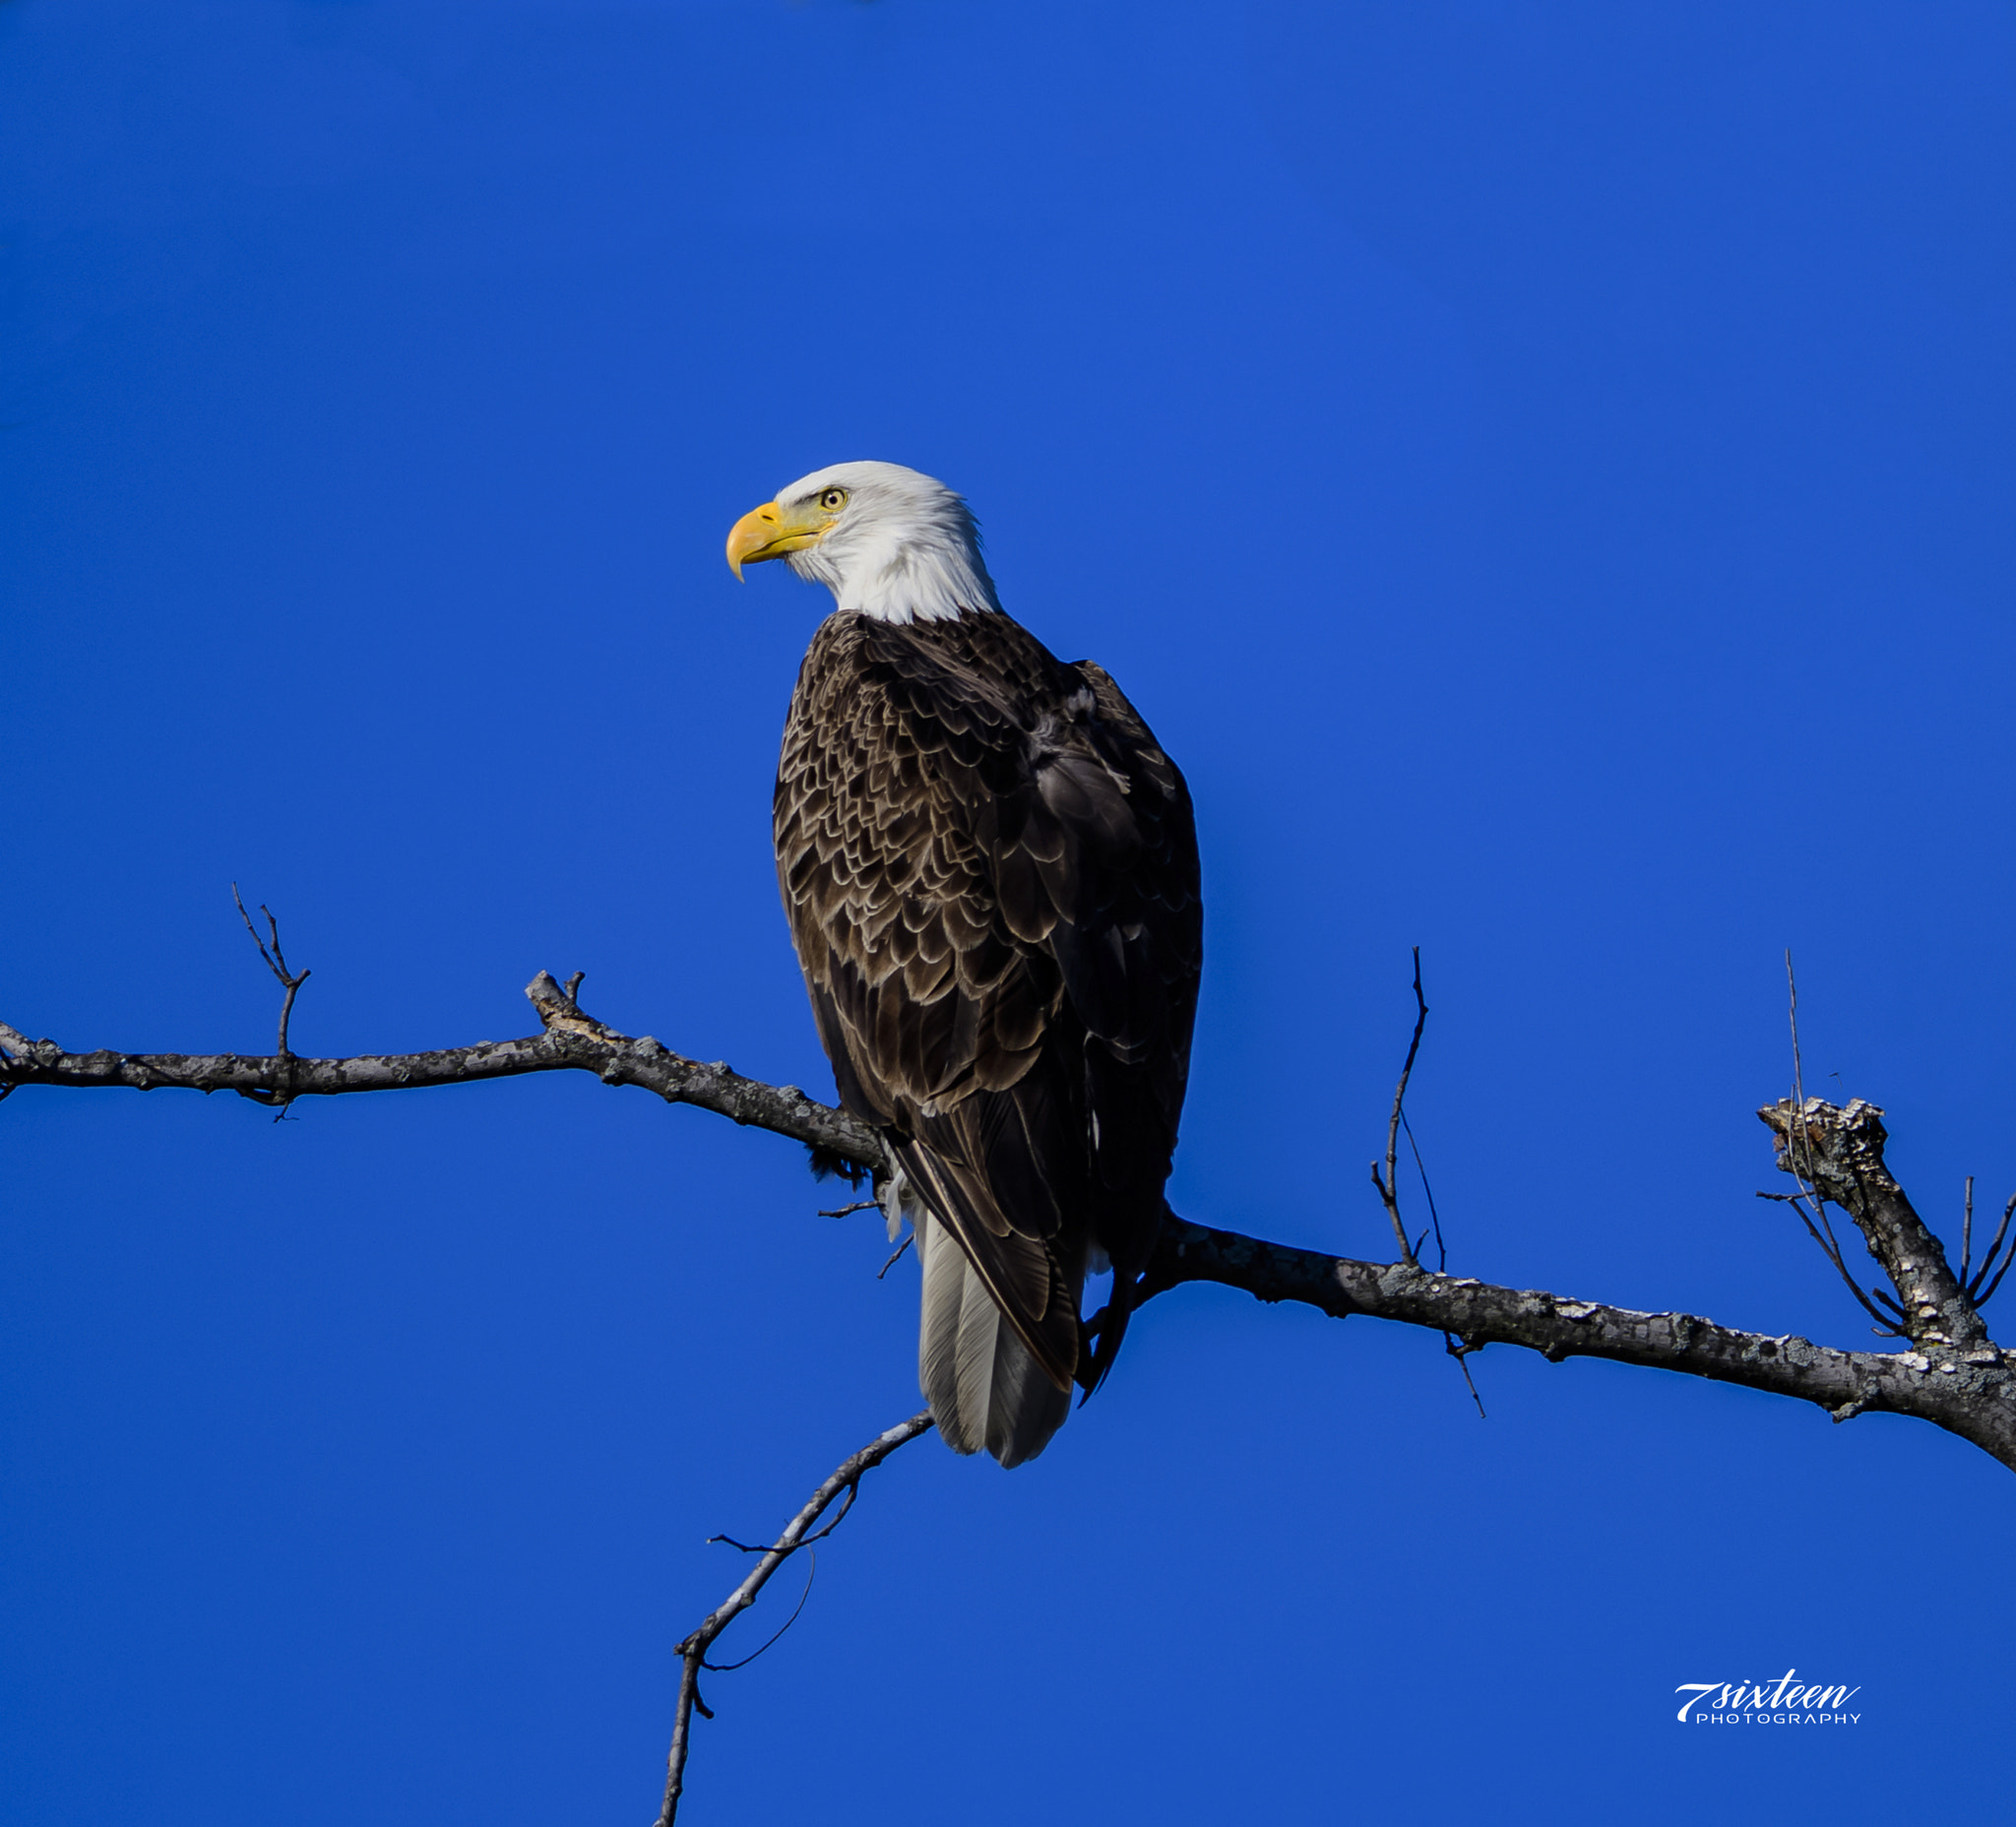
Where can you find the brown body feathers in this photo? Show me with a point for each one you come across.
(990, 871)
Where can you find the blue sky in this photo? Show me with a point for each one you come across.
(1543, 468)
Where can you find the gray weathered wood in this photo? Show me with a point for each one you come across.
(1953, 1375)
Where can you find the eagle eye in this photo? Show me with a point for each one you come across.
(833, 500)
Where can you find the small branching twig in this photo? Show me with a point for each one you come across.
(844, 1483)
(895, 1255)
(275, 962)
(860, 1205)
(1389, 1187)
(291, 983)
(1388, 1183)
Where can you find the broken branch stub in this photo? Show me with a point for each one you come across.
(1839, 1152)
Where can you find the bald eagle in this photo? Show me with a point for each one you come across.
(990, 872)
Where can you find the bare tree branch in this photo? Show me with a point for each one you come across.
(569, 1042)
(798, 1534)
(1970, 1392)
(1953, 1377)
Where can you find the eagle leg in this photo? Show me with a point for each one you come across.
(1108, 1326)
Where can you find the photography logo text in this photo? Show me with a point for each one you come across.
(1786, 1702)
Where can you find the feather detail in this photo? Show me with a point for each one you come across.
(1024, 1406)
(945, 1276)
(983, 1385)
(980, 1320)
(990, 871)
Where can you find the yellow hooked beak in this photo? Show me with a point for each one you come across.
(771, 530)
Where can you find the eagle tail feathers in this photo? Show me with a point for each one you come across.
(984, 1385)
(944, 1299)
(1025, 1407)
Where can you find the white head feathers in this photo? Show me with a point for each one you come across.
(899, 546)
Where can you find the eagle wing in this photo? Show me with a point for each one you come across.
(990, 869)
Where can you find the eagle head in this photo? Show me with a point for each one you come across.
(889, 542)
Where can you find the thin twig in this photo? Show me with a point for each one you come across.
(1895, 1308)
(1459, 1350)
(860, 1205)
(1967, 1231)
(1827, 1225)
(1982, 1299)
(777, 1635)
(818, 1535)
(1792, 992)
(1389, 1187)
(275, 962)
(1831, 1250)
(798, 1533)
(282, 1095)
(1805, 1177)
(1987, 1262)
(1800, 1156)
(1989, 1294)
(1434, 1217)
(895, 1255)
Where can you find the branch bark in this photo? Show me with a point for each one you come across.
(798, 1534)
(1840, 1152)
(568, 1041)
(1954, 1376)
(1971, 1393)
